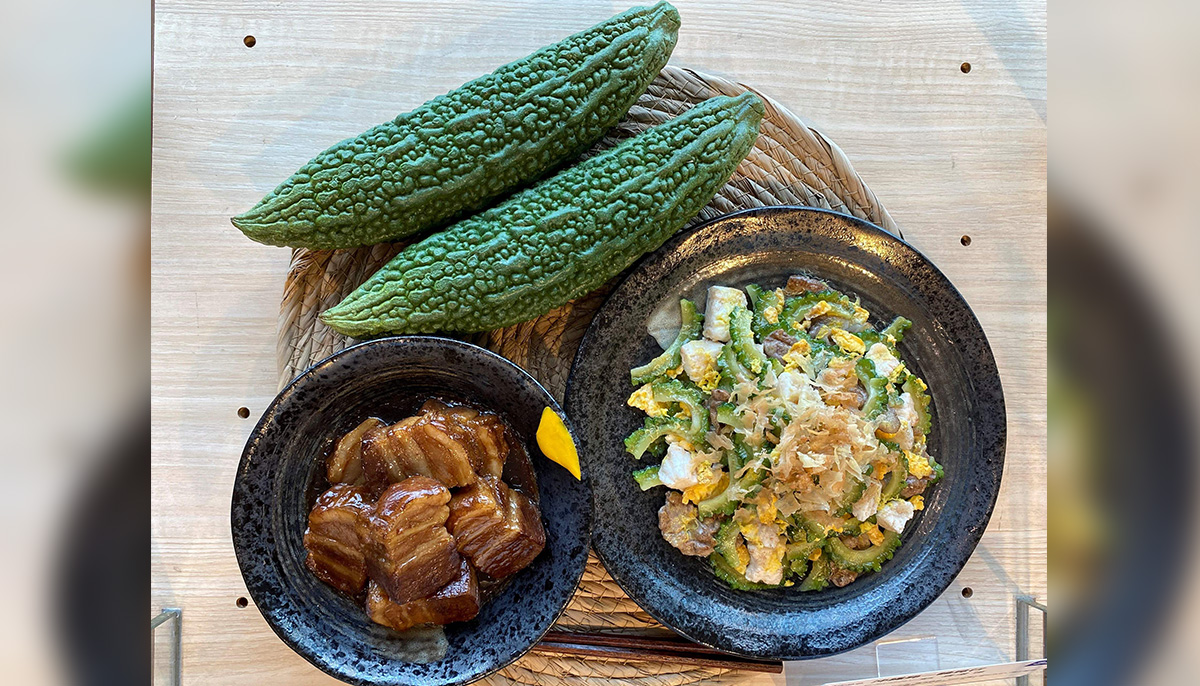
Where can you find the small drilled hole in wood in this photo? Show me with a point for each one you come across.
(242, 602)
(244, 412)
(249, 41)
(965, 240)
(966, 67)
(967, 592)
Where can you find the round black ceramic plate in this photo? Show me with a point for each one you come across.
(945, 346)
(281, 473)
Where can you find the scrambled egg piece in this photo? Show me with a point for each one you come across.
(918, 465)
(872, 531)
(848, 341)
(643, 399)
(710, 484)
(767, 507)
(815, 555)
(797, 355)
(822, 307)
(918, 502)
(861, 314)
(766, 547)
(711, 379)
(771, 313)
(718, 306)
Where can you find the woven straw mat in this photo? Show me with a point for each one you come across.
(791, 164)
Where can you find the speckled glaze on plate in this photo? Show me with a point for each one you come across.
(945, 346)
(277, 483)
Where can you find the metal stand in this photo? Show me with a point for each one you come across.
(1024, 603)
(173, 616)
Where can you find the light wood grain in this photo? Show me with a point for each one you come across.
(948, 153)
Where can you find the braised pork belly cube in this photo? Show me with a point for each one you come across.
(496, 528)
(345, 464)
(409, 552)
(414, 447)
(450, 443)
(335, 549)
(457, 601)
(482, 433)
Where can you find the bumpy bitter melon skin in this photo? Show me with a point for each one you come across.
(561, 238)
(458, 152)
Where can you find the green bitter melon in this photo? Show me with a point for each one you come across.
(458, 152)
(561, 238)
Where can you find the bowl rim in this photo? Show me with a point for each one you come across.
(714, 639)
(241, 522)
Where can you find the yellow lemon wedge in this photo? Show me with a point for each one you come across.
(556, 442)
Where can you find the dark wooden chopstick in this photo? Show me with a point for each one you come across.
(645, 648)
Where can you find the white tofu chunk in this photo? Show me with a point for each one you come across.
(885, 361)
(699, 358)
(895, 515)
(869, 502)
(717, 307)
(678, 469)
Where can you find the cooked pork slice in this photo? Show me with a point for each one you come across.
(800, 284)
(457, 601)
(495, 439)
(498, 529)
(681, 527)
(418, 446)
(335, 550)
(409, 552)
(489, 439)
(444, 452)
(778, 344)
(840, 576)
(344, 466)
(383, 456)
(914, 486)
(481, 432)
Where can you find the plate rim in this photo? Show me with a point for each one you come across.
(857, 224)
(241, 523)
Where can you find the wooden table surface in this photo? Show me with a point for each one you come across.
(949, 152)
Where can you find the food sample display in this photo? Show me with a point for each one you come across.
(416, 511)
(791, 436)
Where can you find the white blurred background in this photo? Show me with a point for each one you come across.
(1124, 168)
(74, 185)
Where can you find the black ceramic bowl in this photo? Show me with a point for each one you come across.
(945, 346)
(282, 472)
